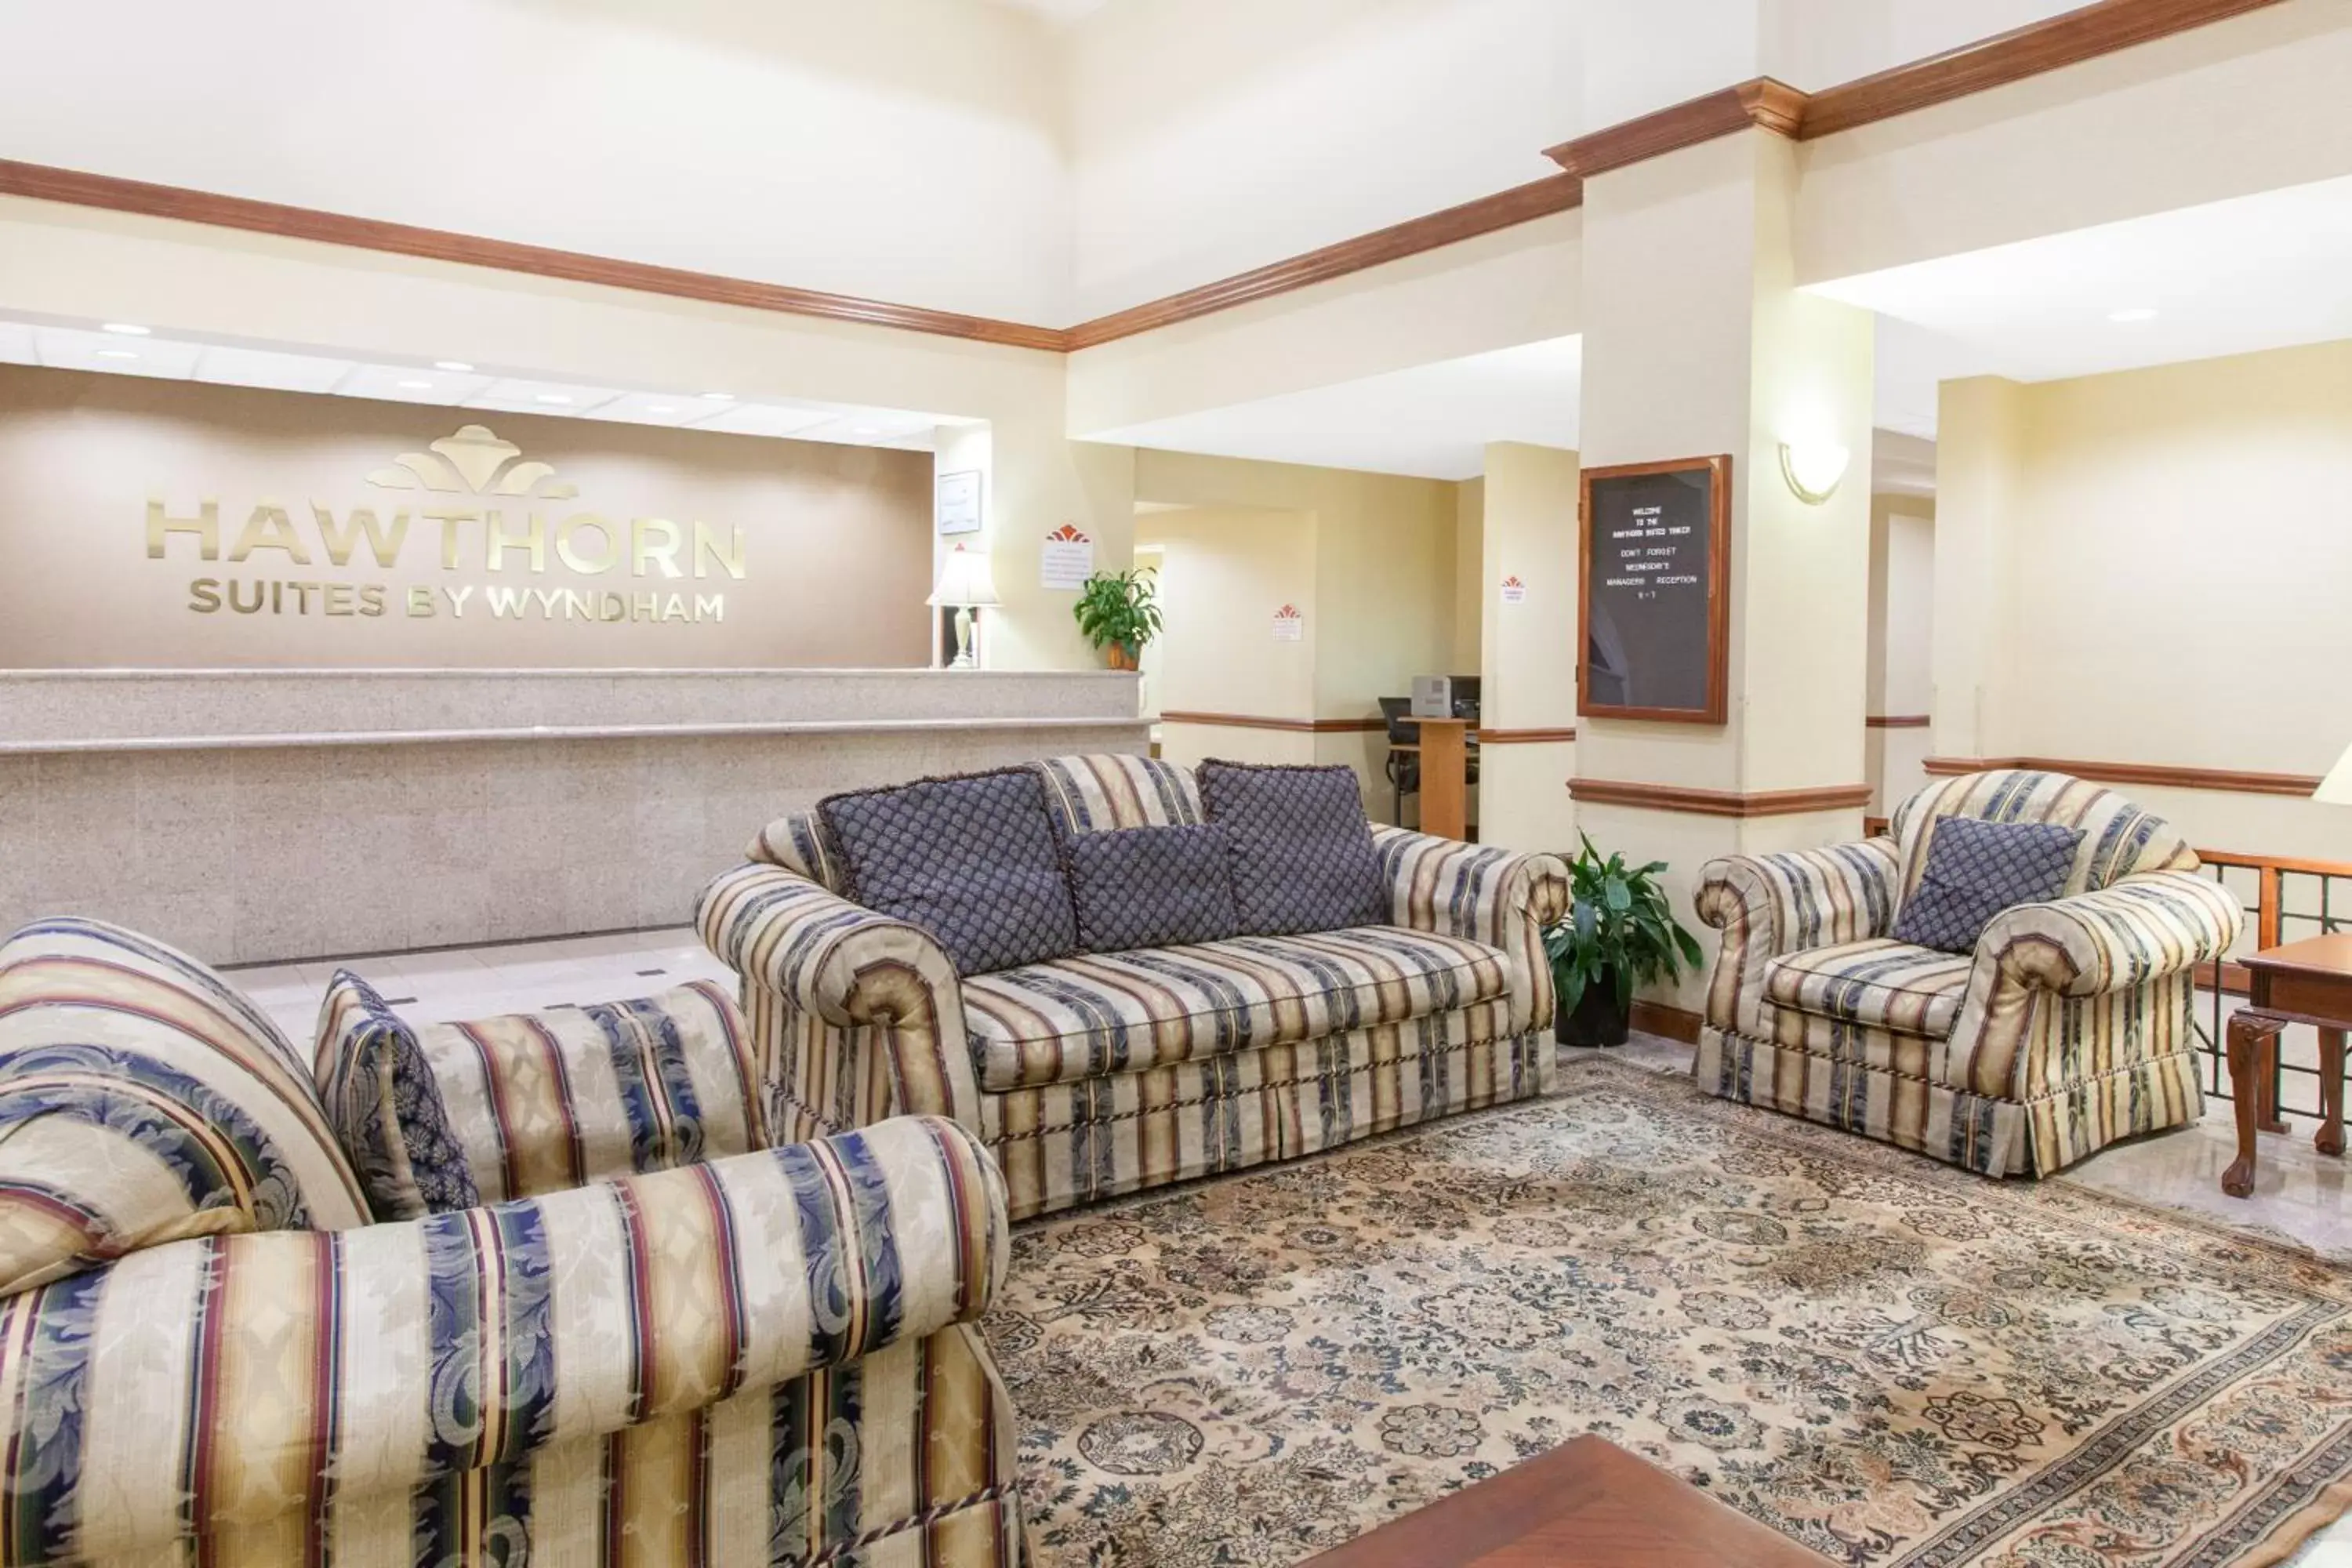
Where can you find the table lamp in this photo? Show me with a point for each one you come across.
(965, 585)
(2336, 789)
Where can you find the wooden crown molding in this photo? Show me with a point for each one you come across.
(1718, 801)
(1524, 737)
(105, 191)
(1505, 209)
(2152, 773)
(1260, 721)
(2068, 38)
(1772, 105)
(1896, 721)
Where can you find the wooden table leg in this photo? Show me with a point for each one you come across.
(2254, 1047)
(2330, 1140)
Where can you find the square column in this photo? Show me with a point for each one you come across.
(1708, 348)
(1528, 584)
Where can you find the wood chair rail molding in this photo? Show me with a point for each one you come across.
(2069, 38)
(1523, 737)
(2153, 773)
(1896, 721)
(1719, 802)
(1263, 721)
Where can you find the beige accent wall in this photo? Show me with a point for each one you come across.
(1369, 559)
(836, 540)
(1902, 622)
(2151, 567)
(1530, 646)
(82, 265)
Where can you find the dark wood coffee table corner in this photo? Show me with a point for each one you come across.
(2307, 982)
(1586, 1504)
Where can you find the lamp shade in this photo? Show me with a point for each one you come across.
(964, 582)
(2336, 789)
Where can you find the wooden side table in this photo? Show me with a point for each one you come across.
(2302, 982)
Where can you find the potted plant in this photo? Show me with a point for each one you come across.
(1619, 934)
(1115, 613)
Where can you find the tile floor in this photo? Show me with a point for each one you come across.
(2299, 1194)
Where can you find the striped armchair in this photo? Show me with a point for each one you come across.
(1106, 1073)
(2067, 1028)
(210, 1353)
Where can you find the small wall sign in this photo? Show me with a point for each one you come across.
(956, 504)
(1290, 625)
(1068, 560)
(1514, 591)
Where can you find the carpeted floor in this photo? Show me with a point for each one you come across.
(1890, 1361)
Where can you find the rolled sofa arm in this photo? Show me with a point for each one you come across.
(1500, 896)
(848, 969)
(2136, 929)
(1769, 905)
(379, 1360)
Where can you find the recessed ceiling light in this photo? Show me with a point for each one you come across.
(417, 386)
(550, 398)
(720, 397)
(457, 366)
(864, 430)
(116, 353)
(661, 408)
(128, 329)
(2137, 313)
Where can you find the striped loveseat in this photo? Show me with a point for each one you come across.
(1106, 1073)
(2067, 1028)
(210, 1353)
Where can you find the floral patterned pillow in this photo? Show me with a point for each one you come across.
(387, 1106)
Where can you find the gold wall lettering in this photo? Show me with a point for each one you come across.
(516, 537)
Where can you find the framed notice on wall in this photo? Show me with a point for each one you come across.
(1655, 615)
(957, 507)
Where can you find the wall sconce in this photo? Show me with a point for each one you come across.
(1813, 469)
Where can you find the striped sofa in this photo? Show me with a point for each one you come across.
(210, 1353)
(2067, 1028)
(1106, 1073)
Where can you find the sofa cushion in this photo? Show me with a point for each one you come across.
(1149, 887)
(387, 1106)
(972, 859)
(542, 1102)
(800, 842)
(1299, 846)
(1099, 1014)
(1975, 870)
(143, 1100)
(1111, 790)
(2118, 838)
(1881, 983)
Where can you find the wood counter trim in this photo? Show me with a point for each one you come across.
(1761, 102)
(77, 188)
(1523, 737)
(1721, 803)
(1503, 209)
(1895, 721)
(1262, 721)
(2067, 39)
(2157, 774)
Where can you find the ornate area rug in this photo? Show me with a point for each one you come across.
(1890, 1361)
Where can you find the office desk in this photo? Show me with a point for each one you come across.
(2305, 982)
(1444, 776)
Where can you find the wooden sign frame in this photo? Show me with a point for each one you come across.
(1716, 708)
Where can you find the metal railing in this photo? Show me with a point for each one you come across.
(2286, 900)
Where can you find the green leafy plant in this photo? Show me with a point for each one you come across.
(1115, 610)
(1620, 925)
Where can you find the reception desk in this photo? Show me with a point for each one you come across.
(254, 815)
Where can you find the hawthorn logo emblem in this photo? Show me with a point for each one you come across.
(472, 462)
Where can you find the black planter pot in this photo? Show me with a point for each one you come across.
(1597, 1019)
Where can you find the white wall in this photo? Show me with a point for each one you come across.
(1902, 635)
(906, 150)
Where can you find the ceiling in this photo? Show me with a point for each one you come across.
(90, 346)
(1432, 421)
(2255, 272)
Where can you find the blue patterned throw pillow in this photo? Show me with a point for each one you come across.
(1975, 870)
(971, 859)
(386, 1105)
(1298, 846)
(1149, 887)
